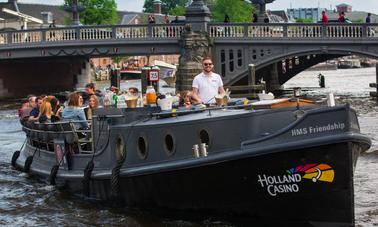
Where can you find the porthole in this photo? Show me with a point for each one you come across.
(120, 149)
(142, 147)
(204, 137)
(169, 144)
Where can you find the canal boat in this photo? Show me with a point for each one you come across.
(289, 165)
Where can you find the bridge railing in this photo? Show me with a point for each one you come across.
(175, 31)
(293, 30)
(99, 33)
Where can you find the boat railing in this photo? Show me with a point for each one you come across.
(174, 113)
(44, 134)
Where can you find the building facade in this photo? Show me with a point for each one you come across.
(305, 13)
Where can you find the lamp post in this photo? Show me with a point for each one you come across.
(261, 6)
(75, 9)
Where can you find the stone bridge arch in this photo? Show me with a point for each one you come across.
(277, 64)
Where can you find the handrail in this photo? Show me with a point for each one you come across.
(190, 111)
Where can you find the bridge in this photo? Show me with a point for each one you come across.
(279, 51)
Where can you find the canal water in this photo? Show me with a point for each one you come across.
(24, 201)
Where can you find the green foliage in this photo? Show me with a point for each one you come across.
(361, 20)
(238, 11)
(97, 12)
(301, 20)
(166, 5)
(177, 11)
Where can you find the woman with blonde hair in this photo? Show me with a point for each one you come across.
(46, 115)
(74, 112)
(93, 103)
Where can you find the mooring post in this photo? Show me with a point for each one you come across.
(251, 77)
(252, 74)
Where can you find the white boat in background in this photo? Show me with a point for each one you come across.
(167, 72)
(349, 63)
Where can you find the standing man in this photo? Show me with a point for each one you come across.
(207, 84)
(368, 18)
(324, 18)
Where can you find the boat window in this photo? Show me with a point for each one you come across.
(170, 146)
(204, 136)
(120, 149)
(142, 147)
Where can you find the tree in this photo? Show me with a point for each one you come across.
(238, 11)
(166, 5)
(97, 12)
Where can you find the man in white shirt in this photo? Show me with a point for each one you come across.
(207, 84)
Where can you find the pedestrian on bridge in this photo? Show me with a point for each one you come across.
(207, 84)
(368, 18)
(226, 19)
(342, 17)
(324, 18)
(255, 18)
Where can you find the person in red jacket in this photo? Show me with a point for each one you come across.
(324, 17)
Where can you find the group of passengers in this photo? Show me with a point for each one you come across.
(48, 108)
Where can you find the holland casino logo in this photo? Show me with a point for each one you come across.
(289, 183)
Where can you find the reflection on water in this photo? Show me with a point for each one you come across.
(24, 201)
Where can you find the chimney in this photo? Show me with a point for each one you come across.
(14, 2)
(157, 6)
(47, 17)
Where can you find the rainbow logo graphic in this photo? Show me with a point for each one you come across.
(315, 172)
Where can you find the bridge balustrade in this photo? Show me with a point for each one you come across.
(341, 31)
(3, 38)
(304, 31)
(227, 31)
(167, 31)
(300, 31)
(372, 31)
(215, 30)
(26, 37)
(265, 31)
(91, 33)
(131, 32)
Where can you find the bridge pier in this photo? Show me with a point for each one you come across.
(84, 77)
(271, 77)
(19, 78)
(195, 44)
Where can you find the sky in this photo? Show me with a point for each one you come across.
(360, 5)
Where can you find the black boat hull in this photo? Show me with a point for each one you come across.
(253, 188)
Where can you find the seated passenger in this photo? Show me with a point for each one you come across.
(56, 108)
(46, 114)
(74, 112)
(185, 99)
(24, 111)
(92, 104)
(34, 113)
(133, 91)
